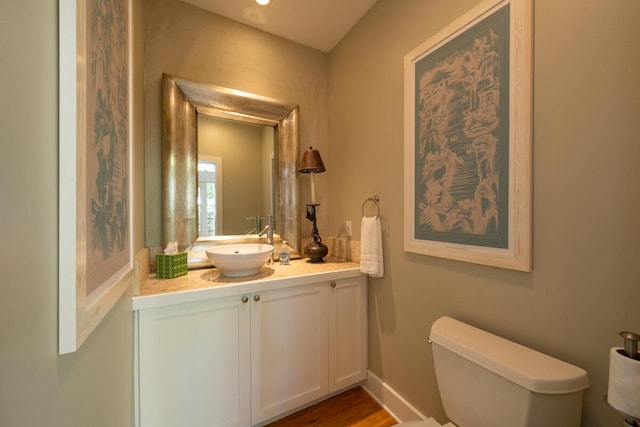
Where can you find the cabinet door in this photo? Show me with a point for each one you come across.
(347, 332)
(288, 349)
(194, 367)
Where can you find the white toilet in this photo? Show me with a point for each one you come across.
(488, 381)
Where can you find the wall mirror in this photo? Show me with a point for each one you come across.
(184, 104)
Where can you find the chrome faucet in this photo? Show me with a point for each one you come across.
(269, 230)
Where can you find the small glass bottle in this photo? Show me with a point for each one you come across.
(284, 255)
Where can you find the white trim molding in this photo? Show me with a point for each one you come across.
(390, 400)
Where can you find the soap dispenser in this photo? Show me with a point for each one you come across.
(284, 255)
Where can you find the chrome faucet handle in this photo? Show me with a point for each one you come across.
(269, 230)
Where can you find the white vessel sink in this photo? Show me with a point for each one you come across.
(239, 260)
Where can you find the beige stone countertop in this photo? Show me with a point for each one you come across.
(208, 283)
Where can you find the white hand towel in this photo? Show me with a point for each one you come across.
(371, 261)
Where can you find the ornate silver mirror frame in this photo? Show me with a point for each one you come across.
(182, 100)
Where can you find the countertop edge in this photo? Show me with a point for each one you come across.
(141, 302)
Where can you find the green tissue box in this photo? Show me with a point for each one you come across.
(170, 266)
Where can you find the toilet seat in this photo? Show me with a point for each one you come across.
(430, 422)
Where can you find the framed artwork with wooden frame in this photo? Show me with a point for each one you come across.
(95, 199)
(467, 149)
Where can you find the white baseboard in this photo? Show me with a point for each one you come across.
(390, 400)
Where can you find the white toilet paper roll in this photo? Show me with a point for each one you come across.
(624, 383)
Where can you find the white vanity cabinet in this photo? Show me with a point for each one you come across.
(347, 332)
(247, 358)
(193, 363)
(289, 348)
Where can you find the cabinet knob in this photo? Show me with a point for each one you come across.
(333, 284)
(245, 299)
(256, 297)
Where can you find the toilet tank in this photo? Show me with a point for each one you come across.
(486, 380)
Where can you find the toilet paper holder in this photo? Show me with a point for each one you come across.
(629, 421)
(630, 351)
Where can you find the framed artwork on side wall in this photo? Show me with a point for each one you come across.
(95, 199)
(467, 150)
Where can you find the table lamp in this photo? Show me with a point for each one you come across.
(312, 164)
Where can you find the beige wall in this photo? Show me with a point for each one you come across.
(585, 283)
(191, 43)
(93, 386)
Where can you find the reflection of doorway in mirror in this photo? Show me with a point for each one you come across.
(209, 195)
(247, 184)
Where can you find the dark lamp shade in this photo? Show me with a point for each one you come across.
(311, 162)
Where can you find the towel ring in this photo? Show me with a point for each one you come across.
(375, 201)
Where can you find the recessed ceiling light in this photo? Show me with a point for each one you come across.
(263, 2)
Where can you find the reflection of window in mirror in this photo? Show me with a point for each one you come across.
(209, 196)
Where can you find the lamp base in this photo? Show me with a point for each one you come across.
(315, 251)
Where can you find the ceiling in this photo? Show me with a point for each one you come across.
(319, 24)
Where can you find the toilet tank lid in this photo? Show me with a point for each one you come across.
(528, 368)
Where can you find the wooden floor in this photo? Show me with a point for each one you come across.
(353, 408)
